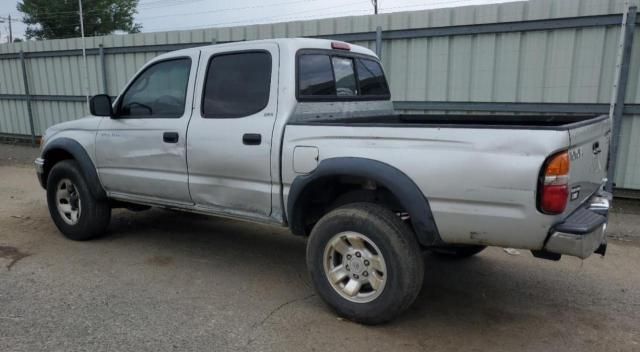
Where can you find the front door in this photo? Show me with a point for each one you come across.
(229, 142)
(141, 151)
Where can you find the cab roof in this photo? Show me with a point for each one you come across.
(287, 45)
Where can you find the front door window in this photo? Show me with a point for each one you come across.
(158, 92)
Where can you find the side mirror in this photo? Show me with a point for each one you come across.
(100, 105)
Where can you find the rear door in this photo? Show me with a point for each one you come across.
(229, 138)
(588, 158)
(141, 152)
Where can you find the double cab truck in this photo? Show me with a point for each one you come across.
(302, 133)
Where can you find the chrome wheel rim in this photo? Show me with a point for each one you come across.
(355, 267)
(68, 201)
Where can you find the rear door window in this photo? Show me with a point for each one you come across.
(237, 85)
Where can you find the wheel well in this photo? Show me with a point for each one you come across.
(51, 158)
(328, 193)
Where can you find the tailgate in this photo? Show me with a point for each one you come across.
(588, 154)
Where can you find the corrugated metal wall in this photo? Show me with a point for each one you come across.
(550, 66)
(570, 65)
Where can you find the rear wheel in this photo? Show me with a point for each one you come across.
(365, 262)
(72, 206)
(458, 251)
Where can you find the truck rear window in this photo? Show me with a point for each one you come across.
(345, 76)
(337, 77)
(371, 78)
(315, 76)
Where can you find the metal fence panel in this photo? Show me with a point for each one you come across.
(488, 54)
(14, 119)
(628, 166)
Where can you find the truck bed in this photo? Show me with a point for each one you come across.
(479, 172)
(555, 122)
(567, 121)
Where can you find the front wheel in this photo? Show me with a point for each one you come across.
(73, 208)
(365, 262)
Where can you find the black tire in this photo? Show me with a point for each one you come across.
(94, 215)
(398, 246)
(458, 251)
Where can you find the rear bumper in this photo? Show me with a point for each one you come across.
(584, 231)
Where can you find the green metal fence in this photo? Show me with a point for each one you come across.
(569, 56)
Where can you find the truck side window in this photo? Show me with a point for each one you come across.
(371, 78)
(237, 85)
(315, 76)
(158, 92)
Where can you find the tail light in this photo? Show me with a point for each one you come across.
(553, 192)
(340, 46)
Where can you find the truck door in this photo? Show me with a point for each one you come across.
(229, 137)
(140, 152)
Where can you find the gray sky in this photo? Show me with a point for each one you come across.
(165, 15)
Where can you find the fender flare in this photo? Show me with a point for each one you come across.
(81, 156)
(402, 186)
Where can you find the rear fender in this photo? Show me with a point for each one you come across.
(403, 188)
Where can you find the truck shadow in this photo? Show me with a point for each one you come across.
(491, 290)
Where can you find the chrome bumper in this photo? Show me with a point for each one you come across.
(584, 231)
(581, 246)
(39, 165)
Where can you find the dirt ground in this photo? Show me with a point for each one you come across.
(166, 281)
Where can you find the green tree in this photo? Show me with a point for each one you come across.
(55, 19)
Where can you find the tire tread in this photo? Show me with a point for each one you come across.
(402, 240)
(95, 215)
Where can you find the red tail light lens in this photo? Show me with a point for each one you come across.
(554, 199)
(554, 188)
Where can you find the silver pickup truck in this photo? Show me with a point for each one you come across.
(302, 133)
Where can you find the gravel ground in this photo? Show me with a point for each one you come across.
(165, 281)
(17, 155)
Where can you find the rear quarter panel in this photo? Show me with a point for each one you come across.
(481, 183)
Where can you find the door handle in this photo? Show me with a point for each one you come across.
(170, 137)
(251, 139)
(596, 148)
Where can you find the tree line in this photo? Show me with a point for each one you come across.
(58, 19)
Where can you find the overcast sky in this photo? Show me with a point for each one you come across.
(166, 15)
